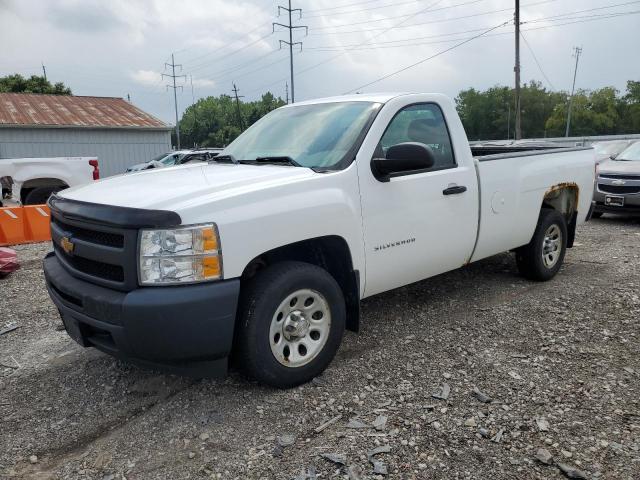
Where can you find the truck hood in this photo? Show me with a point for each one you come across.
(620, 167)
(177, 188)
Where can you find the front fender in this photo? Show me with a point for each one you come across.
(252, 223)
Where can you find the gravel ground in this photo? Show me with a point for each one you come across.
(559, 360)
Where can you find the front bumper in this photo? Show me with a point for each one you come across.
(185, 329)
(631, 204)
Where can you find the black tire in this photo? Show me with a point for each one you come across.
(40, 195)
(596, 214)
(529, 258)
(260, 303)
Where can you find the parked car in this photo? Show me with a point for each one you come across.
(618, 183)
(30, 181)
(200, 155)
(163, 160)
(268, 249)
(609, 149)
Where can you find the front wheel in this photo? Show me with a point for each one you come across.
(291, 324)
(542, 258)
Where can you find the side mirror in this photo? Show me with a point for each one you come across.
(614, 156)
(403, 158)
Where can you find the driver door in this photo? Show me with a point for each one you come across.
(417, 224)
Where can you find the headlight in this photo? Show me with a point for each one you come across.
(182, 255)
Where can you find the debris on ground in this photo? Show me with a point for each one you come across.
(8, 261)
(443, 393)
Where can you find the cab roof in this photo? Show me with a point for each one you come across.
(383, 97)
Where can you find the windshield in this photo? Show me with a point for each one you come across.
(173, 159)
(159, 157)
(315, 136)
(609, 148)
(631, 153)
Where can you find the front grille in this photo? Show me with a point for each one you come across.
(102, 254)
(103, 238)
(619, 189)
(113, 273)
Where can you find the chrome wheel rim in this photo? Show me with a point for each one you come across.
(300, 328)
(551, 246)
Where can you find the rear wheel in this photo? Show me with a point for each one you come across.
(40, 195)
(542, 258)
(291, 324)
(596, 214)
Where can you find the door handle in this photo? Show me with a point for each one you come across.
(454, 190)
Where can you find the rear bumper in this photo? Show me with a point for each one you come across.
(186, 329)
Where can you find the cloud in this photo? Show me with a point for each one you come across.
(148, 78)
(203, 83)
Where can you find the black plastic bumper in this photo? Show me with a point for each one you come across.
(184, 329)
(624, 210)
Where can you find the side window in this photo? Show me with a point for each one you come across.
(423, 123)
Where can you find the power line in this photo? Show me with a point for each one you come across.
(343, 6)
(233, 52)
(577, 51)
(440, 20)
(536, 60)
(327, 60)
(585, 20)
(291, 43)
(427, 59)
(173, 76)
(361, 10)
(242, 37)
(396, 44)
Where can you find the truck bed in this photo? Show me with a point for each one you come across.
(485, 153)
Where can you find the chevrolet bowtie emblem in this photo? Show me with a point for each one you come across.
(618, 182)
(67, 245)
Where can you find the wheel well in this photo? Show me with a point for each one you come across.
(564, 198)
(331, 253)
(34, 183)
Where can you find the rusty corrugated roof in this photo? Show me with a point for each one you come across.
(32, 109)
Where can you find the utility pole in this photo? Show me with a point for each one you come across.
(235, 93)
(291, 43)
(509, 120)
(193, 105)
(44, 71)
(516, 69)
(286, 91)
(175, 96)
(577, 51)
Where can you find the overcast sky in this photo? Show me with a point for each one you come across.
(119, 47)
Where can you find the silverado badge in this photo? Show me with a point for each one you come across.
(67, 245)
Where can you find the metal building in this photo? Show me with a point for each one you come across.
(111, 129)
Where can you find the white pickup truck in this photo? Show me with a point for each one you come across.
(264, 254)
(30, 181)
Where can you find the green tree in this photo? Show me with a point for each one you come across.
(213, 121)
(592, 113)
(629, 109)
(35, 84)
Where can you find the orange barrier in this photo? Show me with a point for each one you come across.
(24, 224)
(11, 225)
(36, 223)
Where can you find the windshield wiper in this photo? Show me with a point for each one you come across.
(225, 158)
(278, 160)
